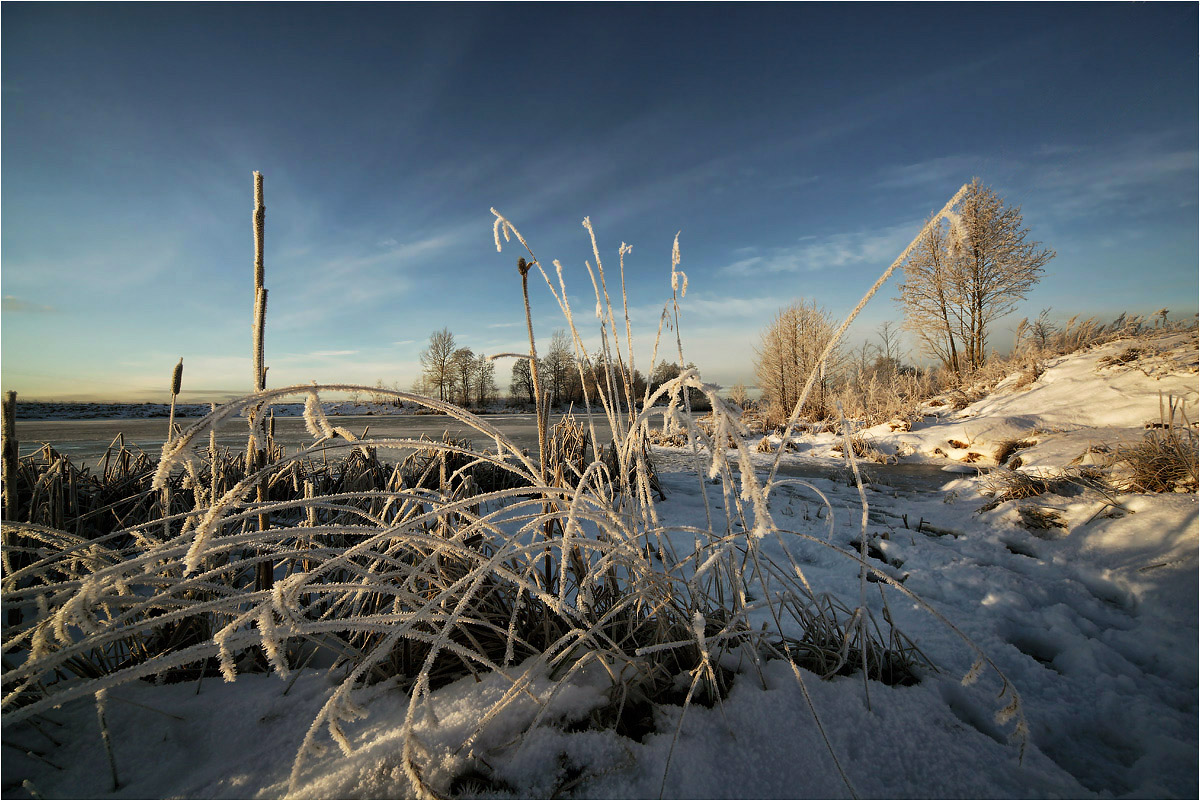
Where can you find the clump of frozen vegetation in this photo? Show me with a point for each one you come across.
(558, 569)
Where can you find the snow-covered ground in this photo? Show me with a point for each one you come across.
(1094, 622)
(1093, 397)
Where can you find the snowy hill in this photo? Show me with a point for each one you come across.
(1106, 395)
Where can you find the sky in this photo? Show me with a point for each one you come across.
(796, 148)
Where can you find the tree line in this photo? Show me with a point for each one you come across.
(455, 374)
(459, 375)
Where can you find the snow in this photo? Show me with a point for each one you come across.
(1095, 624)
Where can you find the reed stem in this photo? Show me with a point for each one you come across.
(260, 292)
(9, 448)
(257, 457)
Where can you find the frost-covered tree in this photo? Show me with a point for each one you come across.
(738, 394)
(929, 295)
(997, 266)
(788, 353)
(963, 277)
(436, 364)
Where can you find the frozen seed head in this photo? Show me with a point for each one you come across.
(501, 226)
(177, 377)
(1009, 711)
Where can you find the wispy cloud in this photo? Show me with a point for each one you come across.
(1141, 169)
(958, 169)
(709, 307)
(335, 276)
(324, 354)
(11, 303)
(820, 253)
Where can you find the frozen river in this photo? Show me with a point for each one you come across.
(87, 439)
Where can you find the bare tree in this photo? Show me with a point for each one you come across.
(485, 381)
(560, 364)
(961, 278)
(521, 388)
(1042, 331)
(889, 341)
(737, 394)
(462, 369)
(789, 351)
(998, 267)
(436, 363)
(928, 295)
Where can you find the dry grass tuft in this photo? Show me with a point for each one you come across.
(1008, 447)
(1040, 518)
(1029, 375)
(1164, 461)
(1126, 356)
(1004, 484)
(961, 399)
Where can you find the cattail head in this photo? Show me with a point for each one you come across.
(177, 377)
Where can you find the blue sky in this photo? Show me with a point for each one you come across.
(797, 147)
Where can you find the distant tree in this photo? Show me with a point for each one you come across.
(788, 354)
(664, 372)
(737, 394)
(559, 364)
(378, 397)
(436, 363)
(521, 388)
(961, 278)
(485, 382)
(889, 341)
(1042, 332)
(462, 370)
(420, 386)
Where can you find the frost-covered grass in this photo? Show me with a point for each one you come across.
(563, 574)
